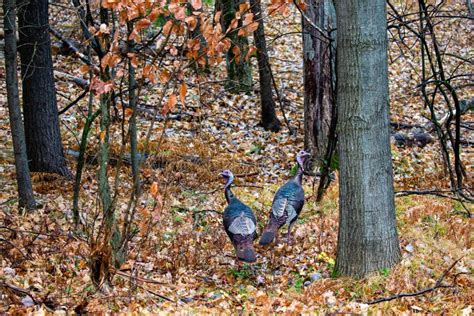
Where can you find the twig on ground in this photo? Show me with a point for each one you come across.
(19, 290)
(438, 285)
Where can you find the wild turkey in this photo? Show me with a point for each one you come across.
(239, 222)
(287, 204)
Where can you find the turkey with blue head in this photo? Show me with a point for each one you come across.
(239, 222)
(287, 203)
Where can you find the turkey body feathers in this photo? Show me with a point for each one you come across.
(240, 225)
(287, 203)
(286, 207)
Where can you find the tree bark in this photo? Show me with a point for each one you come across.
(318, 63)
(25, 190)
(269, 119)
(43, 137)
(367, 239)
(239, 71)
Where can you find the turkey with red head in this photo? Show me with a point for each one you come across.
(287, 204)
(239, 222)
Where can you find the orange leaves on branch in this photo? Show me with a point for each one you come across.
(110, 4)
(191, 21)
(100, 87)
(301, 4)
(233, 25)
(280, 6)
(149, 73)
(217, 17)
(133, 59)
(249, 25)
(109, 60)
(178, 11)
(154, 14)
(252, 51)
(172, 100)
(248, 19)
(132, 13)
(244, 7)
(167, 28)
(142, 24)
(236, 52)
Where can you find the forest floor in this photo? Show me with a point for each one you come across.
(181, 257)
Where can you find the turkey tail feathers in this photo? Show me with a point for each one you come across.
(246, 254)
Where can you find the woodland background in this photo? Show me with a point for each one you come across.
(193, 127)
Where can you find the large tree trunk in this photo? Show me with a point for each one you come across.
(25, 190)
(43, 137)
(239, 71)
(317, 65)
(269, 118)
(367, 238)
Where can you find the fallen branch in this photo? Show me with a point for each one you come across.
(438, 285)
(70, 105)
(19, 290)
(78, 81)
(144, 280)
(69, 45)
(439, 193)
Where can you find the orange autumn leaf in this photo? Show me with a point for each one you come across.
(164, 76)
(248, 18)
(252, 27)
(142, 24)
(197, 4)
(172, 100)
(217, 17)
(244, 7)
(182, 92)
(84, 69)
(179, 13)
(154, 188)
(252, 51)
(102, 136)
(154, 14)
(167, 27)
(236, 51)
(128, 112)
(191, 21)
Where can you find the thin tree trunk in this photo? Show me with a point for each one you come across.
(239, 71)
(269, 119)
(317, 63)
(367, 239)
(43, 136)
(132, 101)
(25, 190)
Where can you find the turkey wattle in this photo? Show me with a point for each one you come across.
(287, 204)
(239, 222)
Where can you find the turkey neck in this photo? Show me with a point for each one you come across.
(228, 193)
(298, 178)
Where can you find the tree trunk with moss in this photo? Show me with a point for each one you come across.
(239, 71)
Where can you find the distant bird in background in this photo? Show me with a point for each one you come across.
(287, 204)
(239, 222)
